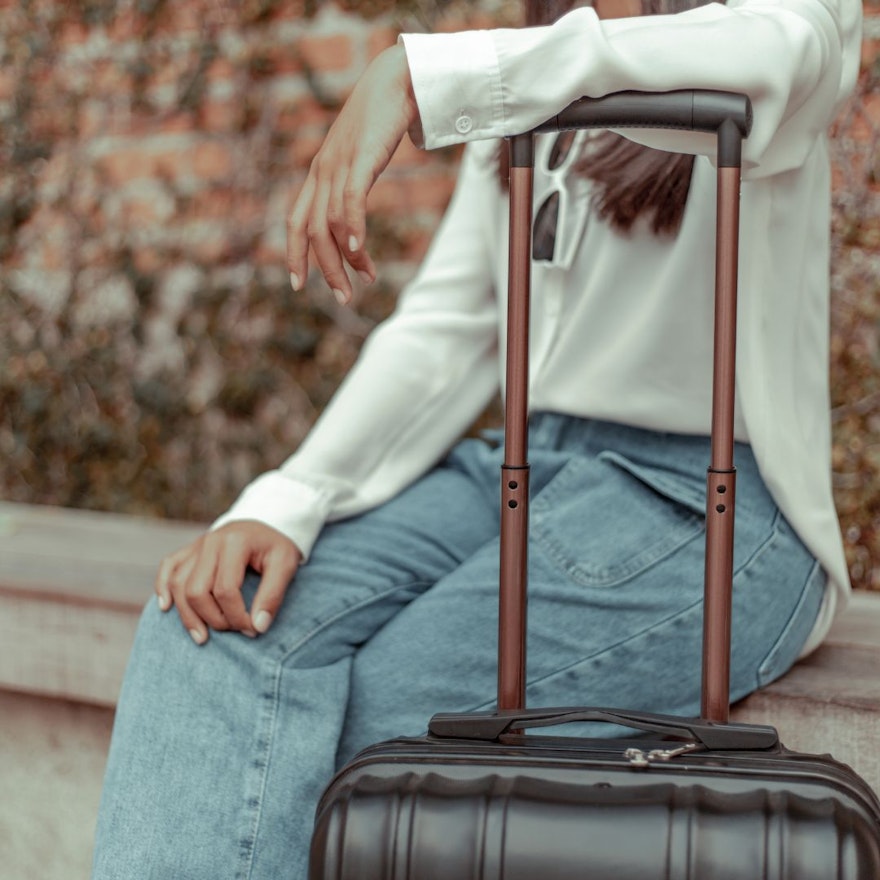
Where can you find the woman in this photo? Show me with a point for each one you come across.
(223, 743)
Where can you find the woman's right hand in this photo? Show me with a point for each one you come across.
(329, 213)
(203, 579)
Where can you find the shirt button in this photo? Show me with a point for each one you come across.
(464, 124)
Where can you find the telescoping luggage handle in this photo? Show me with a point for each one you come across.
(728, 116)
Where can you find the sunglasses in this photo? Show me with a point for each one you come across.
(557, 161)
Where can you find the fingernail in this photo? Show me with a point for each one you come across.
(198, 637)
(164, 602)
(353, 243)
(341, 298)
(294, 281)
(262, 621)
(365, 276)
(251, 634)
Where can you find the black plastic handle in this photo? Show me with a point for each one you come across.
(490, 726)
(725, 114)
(690, 109)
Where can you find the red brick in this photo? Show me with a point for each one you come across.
(866, 122)
(141, 213)
(305, 145)
(173, 123)
(241, 208)
(380, 39)
(123, 165)
(417, 192)
(172, 164)
(72, 33)
(409, 156)
(289, 10)
(326, 53)
(211, 249)
(212, 160)
(266, 255)
(148, 260)
(127, 25)
(109, 78)
(180, 18)
(220, 69)
(221, 115)
(56, 171)
(92, 119)
(8, 83)
(305, 112)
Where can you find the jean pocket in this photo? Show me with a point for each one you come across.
(787, 648)
(605, 520)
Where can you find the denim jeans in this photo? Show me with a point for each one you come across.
(220, 752)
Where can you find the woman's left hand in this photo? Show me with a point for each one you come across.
(330, 211)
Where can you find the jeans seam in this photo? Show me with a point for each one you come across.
(249, 844)
(762, 547)
(605, 650)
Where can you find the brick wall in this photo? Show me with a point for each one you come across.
(152, 355)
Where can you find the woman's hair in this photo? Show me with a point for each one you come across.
(629, 180)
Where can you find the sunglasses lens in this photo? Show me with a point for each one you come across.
(561, 149)
(544, 232)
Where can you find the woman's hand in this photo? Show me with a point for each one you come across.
(204, 578)
(330, 211)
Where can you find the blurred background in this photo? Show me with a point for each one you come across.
(153, 358)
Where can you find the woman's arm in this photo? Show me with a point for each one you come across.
(796, 59)
(330, 210)
(422, 378)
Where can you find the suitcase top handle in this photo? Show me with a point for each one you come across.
(687, 109)
(490, 726)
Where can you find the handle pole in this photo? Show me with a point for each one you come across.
(515, 470)
(721, 478)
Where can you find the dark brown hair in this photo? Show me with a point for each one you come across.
(630, 180)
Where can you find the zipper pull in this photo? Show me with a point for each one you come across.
(638, 758)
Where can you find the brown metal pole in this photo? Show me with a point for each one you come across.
(514, 472)
(721, 480)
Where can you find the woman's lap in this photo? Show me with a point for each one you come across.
(394, 617)
(616, 562)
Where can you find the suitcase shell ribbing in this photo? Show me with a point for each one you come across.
(562, 809)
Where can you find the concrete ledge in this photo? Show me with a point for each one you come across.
(830, 701)
(72, 584)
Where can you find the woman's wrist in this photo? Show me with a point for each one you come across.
(398, 58)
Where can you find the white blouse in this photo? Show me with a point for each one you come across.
(622, 325)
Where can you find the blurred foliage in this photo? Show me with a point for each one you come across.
(148, 371)
(855, 328)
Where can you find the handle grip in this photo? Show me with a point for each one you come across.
(691, 109)
(490, 726)
(727, 114)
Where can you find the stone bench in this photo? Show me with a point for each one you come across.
(72, 584)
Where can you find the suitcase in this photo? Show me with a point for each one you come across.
(682, 799)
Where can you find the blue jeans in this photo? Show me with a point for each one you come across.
(220, 752)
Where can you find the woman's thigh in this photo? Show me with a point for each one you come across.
(615, 599)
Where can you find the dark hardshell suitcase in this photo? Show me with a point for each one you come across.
(686, 799)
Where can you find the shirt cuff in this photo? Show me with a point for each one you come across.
(457, 84)
(297, 510)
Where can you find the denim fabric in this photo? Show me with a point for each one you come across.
(220, 752)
